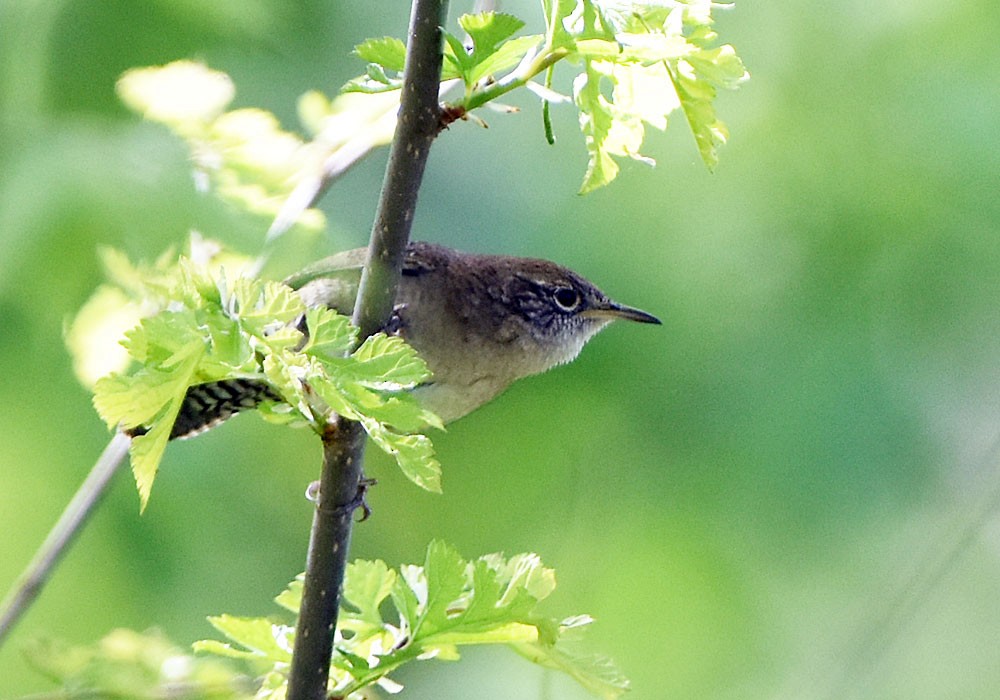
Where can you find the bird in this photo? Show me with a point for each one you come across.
(480, 322)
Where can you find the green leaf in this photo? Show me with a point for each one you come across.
(596, 120)
(366, 585)
(595, 673)
(456, 57)
(182, 94)
(413, 453)
(387, 362)
(263, 308)
(556, 14)
(330, 333)
(409, 593)
(695, 79)
(508, 55)
(258, 635)
(93, 337)
(160, 340)
(445, 578)
(488, 30)
(136, 400)
(388, 52)
(128, 665)
(372, 83)
(291, 598)
(447, 603)
(490, 49)
(146, 451)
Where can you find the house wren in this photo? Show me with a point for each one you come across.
(479, 321)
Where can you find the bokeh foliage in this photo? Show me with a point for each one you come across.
(738, 497)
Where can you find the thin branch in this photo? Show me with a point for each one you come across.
(342, 486)
(90, 493)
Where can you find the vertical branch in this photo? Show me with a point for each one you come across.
(418, 124)
(341, 482)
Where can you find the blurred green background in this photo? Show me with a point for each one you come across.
(787, 491)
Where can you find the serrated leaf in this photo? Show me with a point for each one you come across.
(595, 673)
(413, 453)
(696, 99)
(257, 635)
(159, 341)
(488, 30)
(456, 56)
(444, 573)
(388, 52)
(490, 51)
(146, 451)
(283, 372)
(387, 362)
(595, 25)
(330, 333)
(366, 585)
(135, 400)
(291, 598)
(556, 13)
(264, 307)
(486, 594)
(524, 573)
(644, 93)
(400, 411)
(596, 119)
(446, 604)
(408, 593)
(508, 55)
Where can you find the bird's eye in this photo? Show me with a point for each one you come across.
(567, 298)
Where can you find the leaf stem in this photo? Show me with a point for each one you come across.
(512, 81)
(341, 482)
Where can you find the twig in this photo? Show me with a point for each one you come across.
(62, 534)
(341, 486)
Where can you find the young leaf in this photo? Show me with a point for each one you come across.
(366, 586)
(330, 333)
(557, 12)
(596, 120)
(509, 54)
(263, 308)
(413, 453)
(695, 79)
(183, 94)
(388, 52)
(257, 635)
(595, 673)
(488, 30)
(127, 665)
(447, 603)
(387, 362)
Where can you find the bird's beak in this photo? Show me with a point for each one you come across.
(613, 310)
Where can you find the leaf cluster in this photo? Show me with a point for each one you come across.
(635, 63)
(243, 156)
(389, 618)
(218, 325)
(128, 665)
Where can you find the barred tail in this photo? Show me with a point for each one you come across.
(207, 405)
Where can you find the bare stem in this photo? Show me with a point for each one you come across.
(341, 483)
(90, 493)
